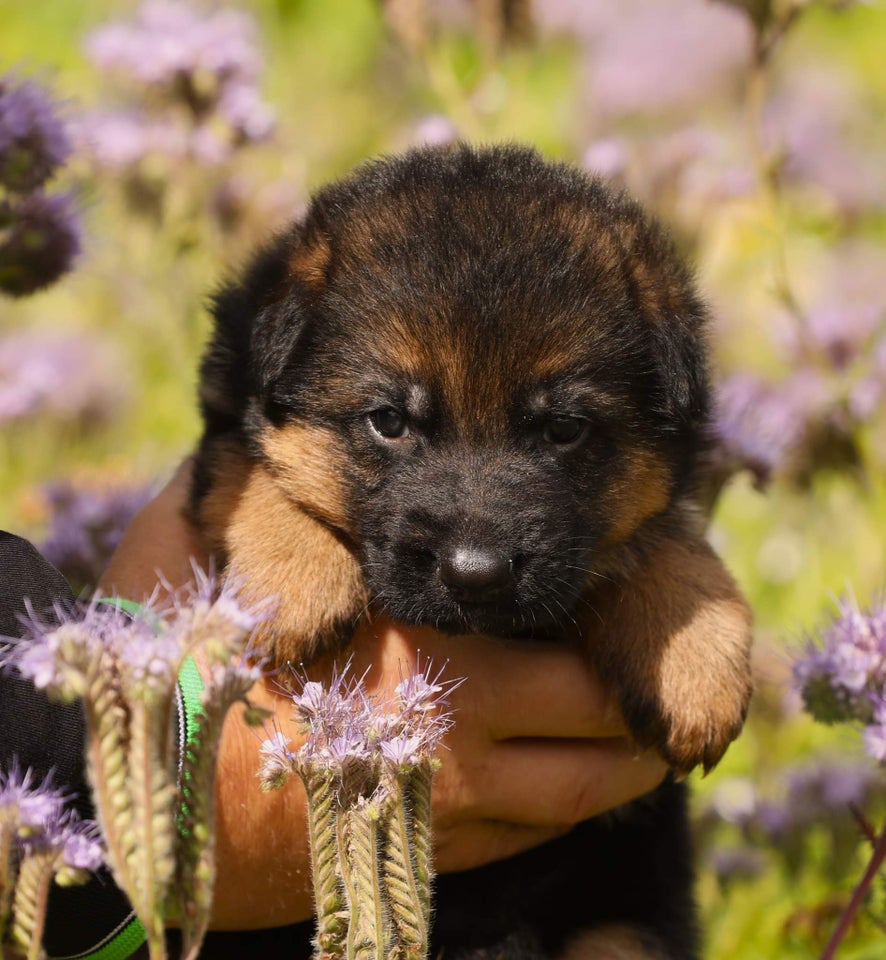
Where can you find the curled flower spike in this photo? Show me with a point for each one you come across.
(41, 840)
(155, 802)
(367, 765)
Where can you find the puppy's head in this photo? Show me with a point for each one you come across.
(483, 372)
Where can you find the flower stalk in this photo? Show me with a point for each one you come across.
(126, 668)
(367, 769)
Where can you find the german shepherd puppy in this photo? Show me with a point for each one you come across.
(470, 388)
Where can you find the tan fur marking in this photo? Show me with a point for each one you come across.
(643, 490)
(282, 552)
(308, 464)
(676, 643)
(610, 943)
(309, 262)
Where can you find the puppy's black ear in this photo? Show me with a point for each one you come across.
(258, 321)
(679, 345)
(302, 261)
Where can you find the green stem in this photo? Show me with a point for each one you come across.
(152, 793)
(422, 840)
(406, 902)
(31, 897)
(7, 874)
(324, 828)
(106, 748)
(364, 840)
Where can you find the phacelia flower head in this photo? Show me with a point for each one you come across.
(33, 140)
(40, 817)
(352, 735)
(213, 615)
(39, 241)
(843, 676)
(62, 655)
(33, 804)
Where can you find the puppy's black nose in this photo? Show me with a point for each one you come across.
(475, 573)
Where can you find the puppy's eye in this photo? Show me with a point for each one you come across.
(389, 423)
(563, 430)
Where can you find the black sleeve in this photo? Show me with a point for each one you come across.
(47, 736)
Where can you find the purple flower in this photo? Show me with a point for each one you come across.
(207, 60)
(212, 615)
(403, 751)
(86, 525)
(434, 130)
(248, 116)
(277, 761)
(606, 157)
(758, 424)
(34, 804)
(844, 320)
(66, 376)
(39, 240)
(818, 124)
(33, 141)
(731, 864)
(842, 676)
(61, 656)
(81, 845)
(120, 140)
(645, 57)
(169, 41)
(347, 727)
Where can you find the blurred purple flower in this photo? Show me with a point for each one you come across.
(39, 239)
(845, 319)
(642, 57)
(33, 140)
(248, 116)
(607, 157)
(170, 43)
(842, 676)
(758, 423)
(731, 864)
(81, 845)
(121, 139)
(817, 124)
(86, 524)
(277, 762)
(435, 130)
(66, 376)
(43, 821)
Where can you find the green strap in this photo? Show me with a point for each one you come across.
(131, 936)
(122, 944)
(190, 683)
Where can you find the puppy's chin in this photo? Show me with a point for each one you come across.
(506, 620)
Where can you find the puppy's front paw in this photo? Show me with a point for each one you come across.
(676, 644)
(693, 716)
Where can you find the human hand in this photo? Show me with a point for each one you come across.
(538, 744)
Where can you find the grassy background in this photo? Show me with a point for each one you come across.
(343, 91)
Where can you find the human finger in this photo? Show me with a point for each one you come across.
(512, 690)
(546, 783)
